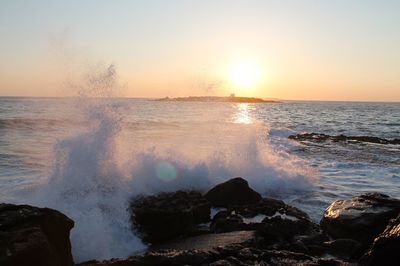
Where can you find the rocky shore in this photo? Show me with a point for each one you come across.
(229, 225)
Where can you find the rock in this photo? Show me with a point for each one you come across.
(34, 236)
(207, 242)
(253, 216)
(270, 207)
(318, 137)
(233, 192)
(168, 215)
(279, 228)
(347, 249)
(361, 218)
(226, 255)
(386, 247)
(225, 221)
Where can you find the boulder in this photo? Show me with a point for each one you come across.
(386, 247)
(361, 218)
(169, 215)
(233, 192)
(34, 236)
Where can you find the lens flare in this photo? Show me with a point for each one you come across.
(166, 171)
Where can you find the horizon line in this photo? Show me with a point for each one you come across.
(152, 98)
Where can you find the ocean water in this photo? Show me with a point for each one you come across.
(88, 156)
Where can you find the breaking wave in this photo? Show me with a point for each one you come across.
(92, 180)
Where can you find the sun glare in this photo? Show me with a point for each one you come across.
(244, 75)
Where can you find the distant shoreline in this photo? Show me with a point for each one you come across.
(231, 99)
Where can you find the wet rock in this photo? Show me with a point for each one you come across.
(34, 236)
(233, 192)
(386, 247)
(318, 137)
(361, 218)
(168, 215)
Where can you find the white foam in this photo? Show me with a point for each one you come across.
(92, 181)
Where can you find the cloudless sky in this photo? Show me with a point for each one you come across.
(311, 49)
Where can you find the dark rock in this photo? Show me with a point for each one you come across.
(34, 236)
(347, 249)
(168, 215)
(283, 222)
(281, 229)
(318, 137)
(227, 255)
(207, 242)
(254, 217)
(175, 257)
(226, 221)
(233, 192)
(386, 247)
(361, 218)
(269, 207)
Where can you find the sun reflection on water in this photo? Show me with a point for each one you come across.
(242, 116)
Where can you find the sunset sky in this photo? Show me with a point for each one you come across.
(300, 50)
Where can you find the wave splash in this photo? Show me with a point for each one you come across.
(91, 185)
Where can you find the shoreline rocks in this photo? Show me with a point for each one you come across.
(169, 215)
(386, 247)
(247, 231)
(320, 137)
(34, 236)
(235, 191)
(361, 218)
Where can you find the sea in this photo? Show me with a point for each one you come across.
(88, 157)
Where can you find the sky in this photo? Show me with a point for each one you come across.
(301, 49)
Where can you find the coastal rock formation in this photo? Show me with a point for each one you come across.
(227, 255)
(235, 191)
(386, 247)
(207, 242)
(361, 218)
(319, 137)
(34, 236)
(263, 216)
(168, 215)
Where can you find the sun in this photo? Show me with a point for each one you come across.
(244, 74)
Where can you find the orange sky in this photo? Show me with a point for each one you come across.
(302, 50)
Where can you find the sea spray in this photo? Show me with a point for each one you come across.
(113, 157)
(88, 187)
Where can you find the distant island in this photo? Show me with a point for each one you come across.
(232, 99)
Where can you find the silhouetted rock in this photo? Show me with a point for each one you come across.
(319, 137)
(169, 215)
(233, 192)
(34, 236)
(361, 218)
(386, 247)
